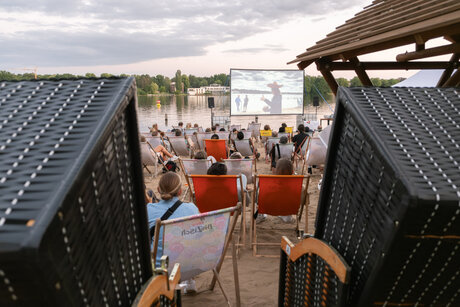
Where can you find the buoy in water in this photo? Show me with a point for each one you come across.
(158, 103)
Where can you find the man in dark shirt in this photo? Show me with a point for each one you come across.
(299, 138)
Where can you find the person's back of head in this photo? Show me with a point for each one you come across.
(274, 134)
(195, 125)
(180, 124)
(169, 186)
(208, 130)
(222, 129)
(283, 139)
(236, 155)
(142, 139)
(266, 127)
(188, 126)
(282, 129)
(301, 128)
(201, 155)
(154, 132)
(283, 125)
(240, 135)
(213, 128)
(178, 132)
(234, 130)
(214, 137)
(284, 167)
(217, 168)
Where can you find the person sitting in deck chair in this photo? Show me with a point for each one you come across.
(220, 168)
(275, 152)
(164, 153)
(240, 136)
(299, 138)
(200, 154)
(169, 207)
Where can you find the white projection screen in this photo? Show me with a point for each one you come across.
(266, 92)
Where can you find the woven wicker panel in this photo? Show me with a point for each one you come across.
(390, 202)
(309, 281)
(72, 213)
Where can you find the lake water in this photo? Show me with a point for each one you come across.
(194, 109)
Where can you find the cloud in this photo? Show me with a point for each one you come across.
(110, 32)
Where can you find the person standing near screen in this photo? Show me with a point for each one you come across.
(274, 106)
(238, 102)
(245, 105)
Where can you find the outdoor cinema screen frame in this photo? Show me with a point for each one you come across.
(266, 92)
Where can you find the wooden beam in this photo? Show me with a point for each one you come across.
(386, 65)
(330, 80)
(446, 49)
(448, 71)
(454, 80)
(361, 72)
(419, 42)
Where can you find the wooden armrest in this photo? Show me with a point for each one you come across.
(318, 247)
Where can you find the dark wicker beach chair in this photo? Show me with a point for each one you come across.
(73, 224)
(390, 201)
(311, 274)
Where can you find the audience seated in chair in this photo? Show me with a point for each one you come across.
(275, 154)
(300, 137)
(220, 168)
(240, 137)
(169, 188)
(164, 153)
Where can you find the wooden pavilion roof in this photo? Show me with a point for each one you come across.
(386, 24)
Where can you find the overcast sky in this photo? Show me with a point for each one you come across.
(200, 37)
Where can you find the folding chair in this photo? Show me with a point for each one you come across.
(149, 157)
(201, 137)
(269, 144)
(207, 189)
(255, 129)
(193, 142)
(190, 131)
(286, 151)
(199, 243)
(216, 148)
(299, 153)
(278, 195)
(244, 147)
(154, 141)
(312, 273)
(179, 146)
(223, 135)
(247, 134)
(160, 290)
(241, 166)
(193, 167)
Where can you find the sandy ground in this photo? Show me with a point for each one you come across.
(258, 276)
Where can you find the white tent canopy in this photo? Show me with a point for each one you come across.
(423, 78)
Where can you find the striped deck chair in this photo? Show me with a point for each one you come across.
(269, 144)
(154, 141)
(312, 273)
(247, 134)
(216, 148)
(255, 129)
(149, 158)
(244, 147)
(179, 146)
(193, 167)
(199, 243)
(160, 289)
(279, 196)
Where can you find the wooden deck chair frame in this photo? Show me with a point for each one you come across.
(235, 211)
(243, 198)
(156, 156)
(160, 287)
(252, 147)
(315, 291)
(255, 200)
(227, 149)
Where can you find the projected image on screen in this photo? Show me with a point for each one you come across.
(255, 92)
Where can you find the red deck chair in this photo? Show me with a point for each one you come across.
(217, 149)
(218, 192)
(278, 195)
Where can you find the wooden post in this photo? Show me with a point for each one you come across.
(330, 80)
(453, 81)
(360, 72)
(448, 71)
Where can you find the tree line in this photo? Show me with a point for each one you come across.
(157, 84)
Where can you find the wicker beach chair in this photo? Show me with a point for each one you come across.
(199, 243)
(311, 274)
(179, 146)
(212, 192)
(161, 290)
(216, 148)
(389, 202)
(279, 196)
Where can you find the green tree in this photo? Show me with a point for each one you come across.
(186, 82)
(355, 82)
(90, 75)
(343, 82)
(106, 75)
(376, 81)
(153, 88)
